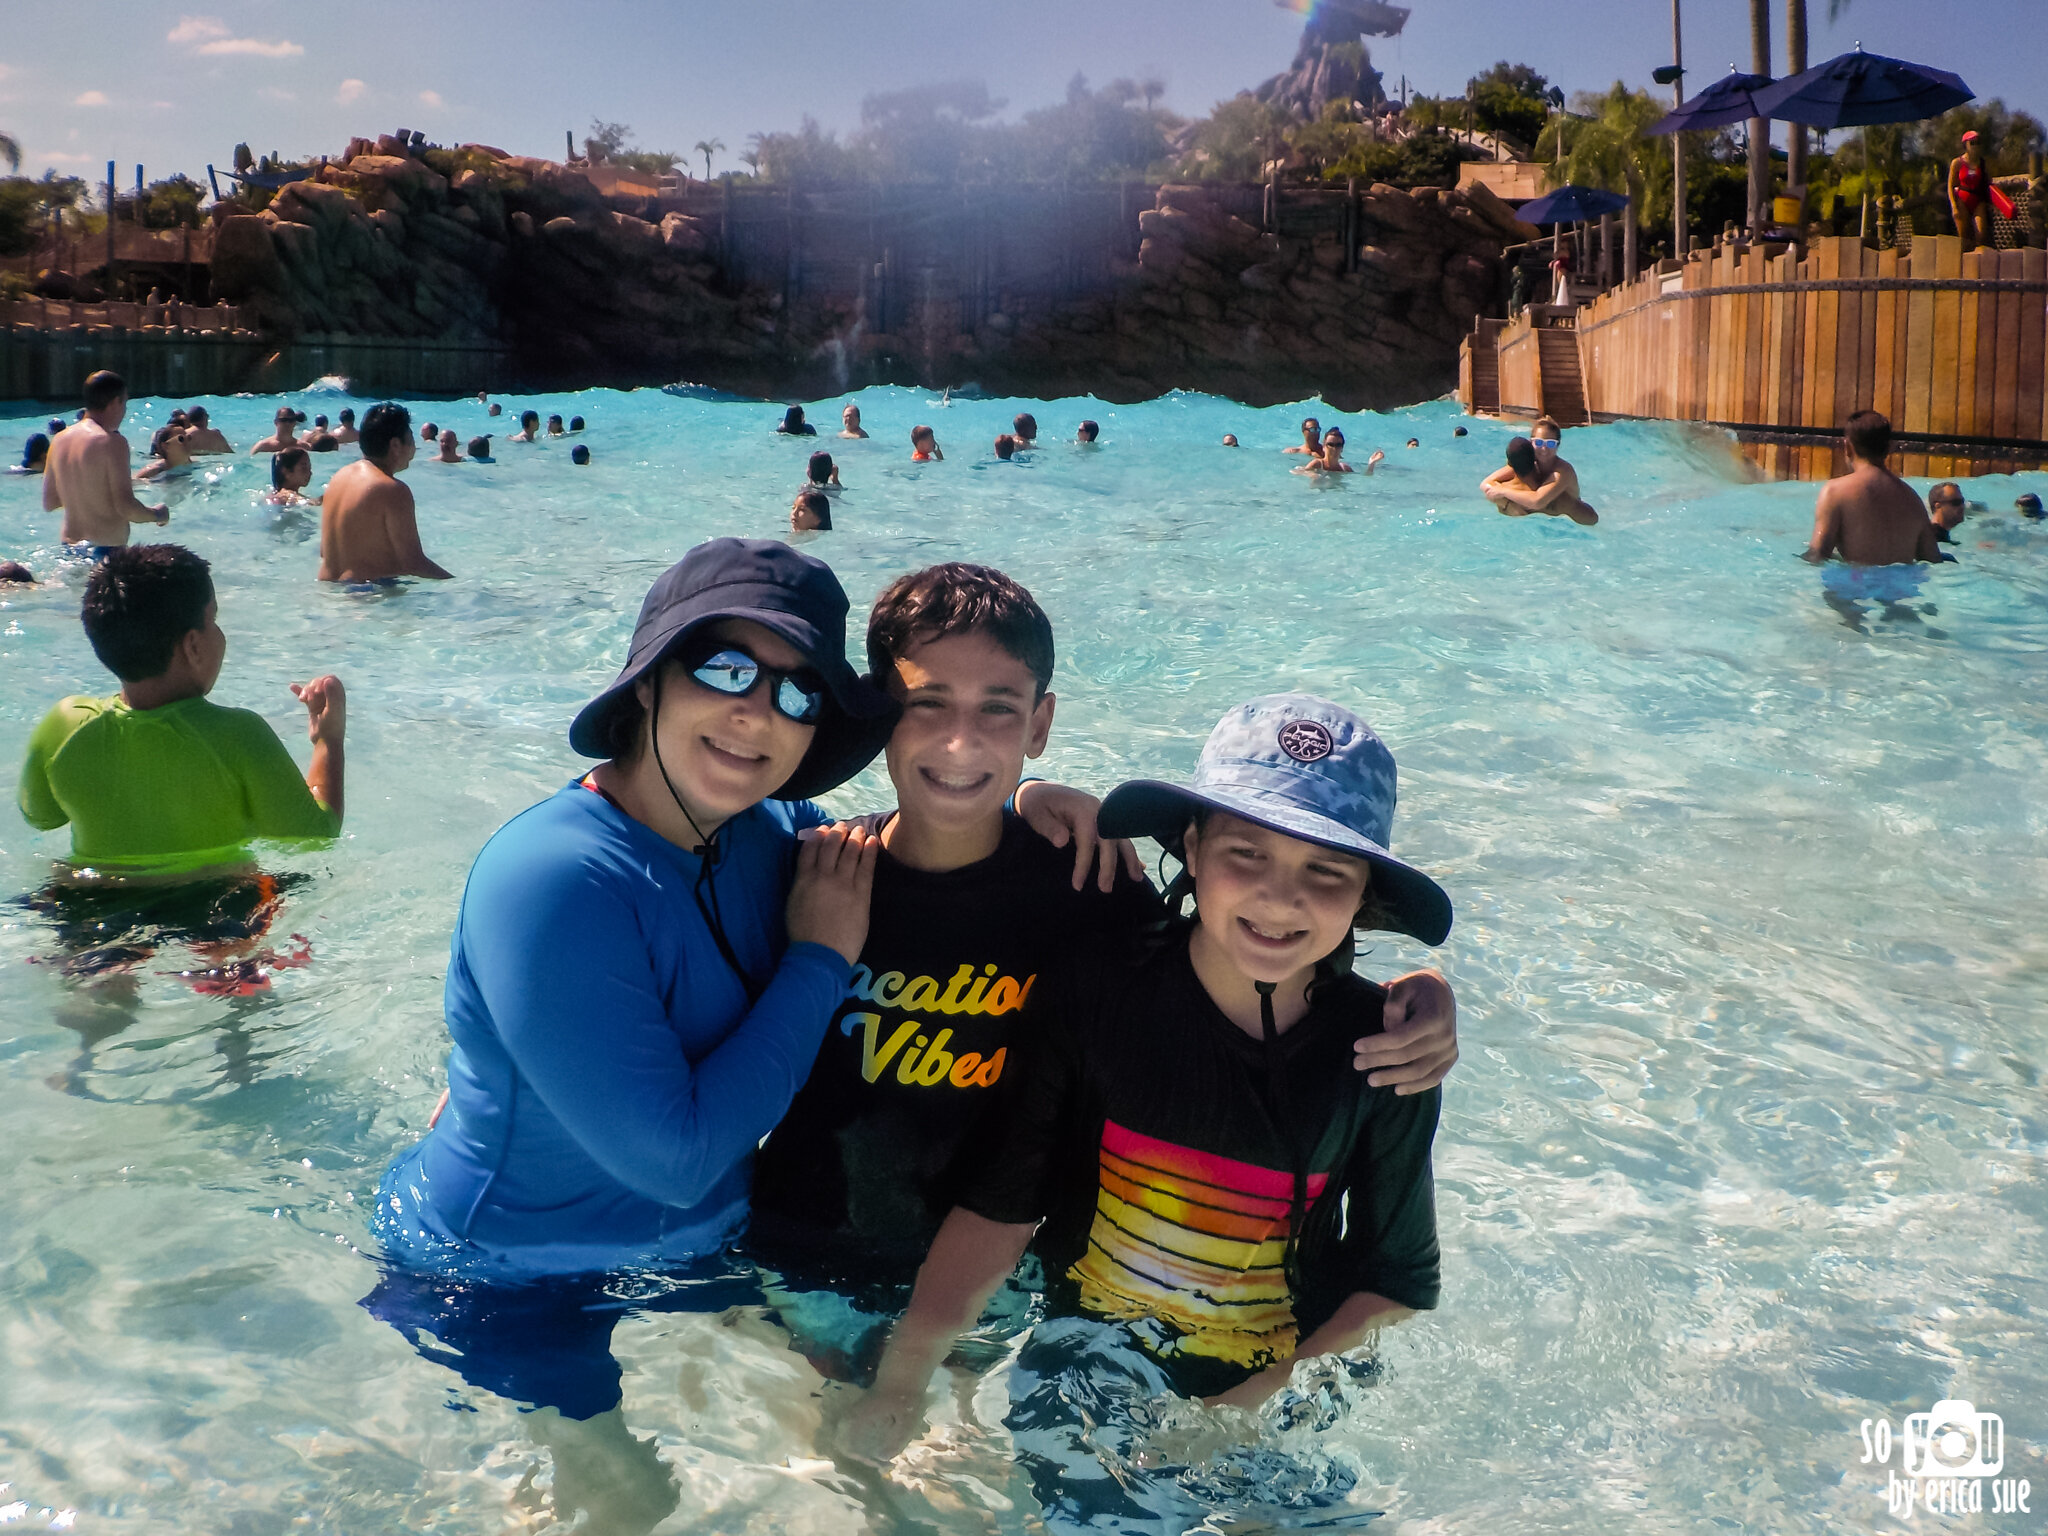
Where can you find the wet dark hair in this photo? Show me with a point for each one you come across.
(479, 447)
(1025, 426)
(140, 601)
(959, 599)
(427, 433)
(197, 415)
(1458, 432)
(1006, 445)
(792, 419)
(919, 433)
(580, 454)
(177, 418)
(1088, 432)
(554, 421)
(383, 425)
(320, 421)
(575, 423)
(1522, 456)
(35, 450)
(529, 418)
(14, 570)
(102, 389)
(2028, 504)
(1869, 435)
(162, 435)
(819, 505)
(820, 467)
(286, 459)
(348, 417)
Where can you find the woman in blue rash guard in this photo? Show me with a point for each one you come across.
(635, 992)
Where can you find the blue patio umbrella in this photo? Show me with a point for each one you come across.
(1728, 100)
(1856, 89)
(1571, 205)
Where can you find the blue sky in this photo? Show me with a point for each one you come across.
(176, 87)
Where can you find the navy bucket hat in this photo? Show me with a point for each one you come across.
(1307, 768)
(790, 593)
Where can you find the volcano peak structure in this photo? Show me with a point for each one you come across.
(1333, 62)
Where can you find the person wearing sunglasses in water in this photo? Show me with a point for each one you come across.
(1552, 489)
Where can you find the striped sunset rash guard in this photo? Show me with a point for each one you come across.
(1159, 1144)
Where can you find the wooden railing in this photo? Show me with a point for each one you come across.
(1952, 347)
(57, 314)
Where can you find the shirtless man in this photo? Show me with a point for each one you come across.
(346, 432)
(1311, 439)
(1025, 429)
(87, 473)
(1870, 516)
(368, 531)
(1553, 489)
(849, 422)
(451, 450)
(170, 454)
(202, 436)
(286, 435)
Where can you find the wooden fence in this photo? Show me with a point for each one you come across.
(1953, 348)
(58, 314)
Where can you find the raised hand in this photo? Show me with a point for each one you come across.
(326, 707)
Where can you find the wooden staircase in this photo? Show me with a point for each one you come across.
(1564, 390)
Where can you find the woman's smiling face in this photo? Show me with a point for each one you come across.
(725, 752)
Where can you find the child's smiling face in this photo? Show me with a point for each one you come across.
(1269, 904)
(972, 714)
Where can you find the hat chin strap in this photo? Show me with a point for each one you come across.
(706, 845)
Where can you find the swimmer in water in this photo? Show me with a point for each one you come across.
(290, 473)
(1946, 509)
(1311, 439)
(575, 425)
(580, 454)
(35, 453)
(430, 433)
(555, 427)
(203, 437)
(1459, 432)
(346, 431)
(924, 446)
(529, 428)
(14, 573)
(480, 450)
(1554, 490)
(286, 433)
(368, 528)
(1414, 442)
(822, 473)
(495, 410)
(86, 473)
(321, 439)
(1230, 440)
(849, 422)
(811, 512)
(794, 425)
(451, 447)
(1025, 428)
(2028, 505)
(1006, 446)
(1087, 433)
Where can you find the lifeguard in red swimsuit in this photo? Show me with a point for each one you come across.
(1972, 196)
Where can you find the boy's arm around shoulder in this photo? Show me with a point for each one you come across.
(1417, 1042)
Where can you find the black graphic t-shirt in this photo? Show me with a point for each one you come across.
(958, 968)
(1166, 1154)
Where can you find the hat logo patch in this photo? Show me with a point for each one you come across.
(1305, 741)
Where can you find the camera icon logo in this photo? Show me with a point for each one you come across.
(1952, 1439)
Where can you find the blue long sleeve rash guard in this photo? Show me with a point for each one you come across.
(609, 1080)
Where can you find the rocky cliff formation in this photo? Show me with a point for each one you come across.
(474, 244)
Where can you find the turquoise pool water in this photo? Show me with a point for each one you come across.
(1746, 1147)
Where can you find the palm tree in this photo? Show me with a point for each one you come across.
(1610, 147)
(707, 148)
(1795, 64)
(1759, 129)
(10, 151)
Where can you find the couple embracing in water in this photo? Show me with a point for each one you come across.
(954, 1024)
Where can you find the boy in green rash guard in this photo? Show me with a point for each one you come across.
(973, 922)
(156, 778)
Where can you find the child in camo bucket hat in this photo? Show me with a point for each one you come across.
(1304, 767)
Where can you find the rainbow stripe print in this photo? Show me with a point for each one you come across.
(1195, 1240)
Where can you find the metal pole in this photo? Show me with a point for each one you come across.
(1678, 240)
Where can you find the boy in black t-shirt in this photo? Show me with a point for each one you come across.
(974, 922)
(1204, 1166)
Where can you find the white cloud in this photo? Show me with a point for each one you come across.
(272, 93)
(56, 155)
(351, 91)
(197, 29)
(211, 36)
(252, 45)
(90, 99)
(432, 99)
